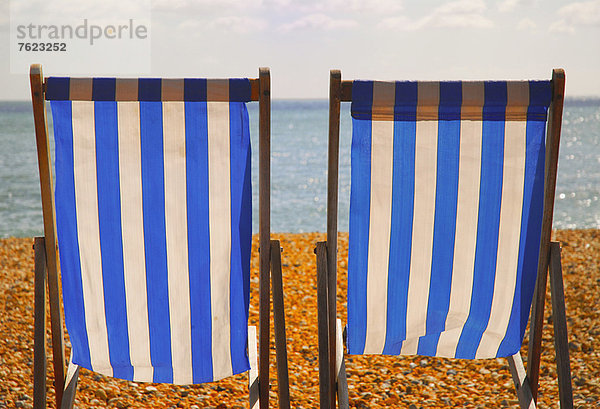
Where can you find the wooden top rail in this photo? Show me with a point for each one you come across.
(346, 86)
(346, 91)
(254, 88)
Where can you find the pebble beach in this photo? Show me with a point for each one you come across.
(374, 381)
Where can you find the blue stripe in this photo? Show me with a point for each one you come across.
(153, 198)
(149, 89)
(111, 239)
(540, 97)
(194, 89)
(57, 88)
(362, 99)
(66, 222)
(448, 153)
(360, 199)
(529, 243)
(241, 234)
(239, 90)
(403, 185)
(103, 89)
(492, 157)
(196, 139)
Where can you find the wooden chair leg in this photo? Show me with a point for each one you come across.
(253, 372)
(39, 336)
(559, 318)
(279, 324)
(517, 370)
(341, 381)
(323, 324)
(71, 379)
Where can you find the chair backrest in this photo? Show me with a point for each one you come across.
(446, 209)
(153, 214)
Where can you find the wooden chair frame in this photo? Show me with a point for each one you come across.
(332, 377)
(47, 266)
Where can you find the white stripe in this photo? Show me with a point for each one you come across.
(423, 221)
(507, 259)
(220, 235)
(382, 157)
(88, 233)
(132, 227)
(467, 211)
(176, 240)
(422, 233)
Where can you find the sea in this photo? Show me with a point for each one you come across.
(299, 167)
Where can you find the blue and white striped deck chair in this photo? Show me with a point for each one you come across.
(153, 227)
(452, 192)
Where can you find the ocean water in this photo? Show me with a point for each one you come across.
(299, 167)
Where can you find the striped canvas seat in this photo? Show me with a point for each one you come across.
(445, 216)
(451, 202)
(153, 213)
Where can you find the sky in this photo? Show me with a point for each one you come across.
(370, 39)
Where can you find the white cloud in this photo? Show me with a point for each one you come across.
(64, 9)
(455, 14)
(461, 7)
(239, 24)
(526, 24)
(232, 24)
(584, 13)
(204, 5)
(509, 5)
(376, 6)
(304, 6)
(318, 21)
(397, 23)
(472, 20)
(326, 6)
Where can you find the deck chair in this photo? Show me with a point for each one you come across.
(452, 193)
(150, 232)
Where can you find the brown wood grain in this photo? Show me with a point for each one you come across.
(49, 217)
(254, 89)
(346, 91)
(325, 385)
(517, 370)
(283, 381)
(537, 308)
(39, 336)
(264, 200)
(559, 319)
(332, 211)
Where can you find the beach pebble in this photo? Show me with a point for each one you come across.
(374, 381)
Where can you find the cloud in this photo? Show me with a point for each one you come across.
(318, 21)
(204, 5)
(455, 14)
(461, 7)
(304, 6)
(526, 24)
(509, 5)
(231, 24)
(344, 6)
(239, 24)
(371, 6)
(65, 9)
(579, 14)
